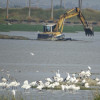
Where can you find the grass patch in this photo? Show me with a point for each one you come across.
(44, 14)
(7, 95)
(96, 95)
(38, 27)
(73, 28)
(97, 28)
(20, 27)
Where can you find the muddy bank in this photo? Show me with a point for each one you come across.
(13, 37)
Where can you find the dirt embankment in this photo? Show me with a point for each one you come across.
(13, 37)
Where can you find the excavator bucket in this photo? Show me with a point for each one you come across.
(89, 31)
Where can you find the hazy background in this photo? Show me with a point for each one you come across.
(94, 4)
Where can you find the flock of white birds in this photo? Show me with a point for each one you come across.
(69, 83)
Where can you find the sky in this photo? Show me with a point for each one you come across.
(94, 4)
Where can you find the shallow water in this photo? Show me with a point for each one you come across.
(49, 56)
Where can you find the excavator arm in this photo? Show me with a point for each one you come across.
(71, 13)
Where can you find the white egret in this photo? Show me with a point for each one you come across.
(32, 53)
(82, 74)
(46, 84)
(13, 93)
(57, 74)
(4, 79)
(14, 84)
(63, 87)
(33, 83)
(98, 83)
(68, 77)
(97, 79)
(26, 85)
(48, 79)
(87, 85)
(83, 81)
(89, 68)
(40, 87)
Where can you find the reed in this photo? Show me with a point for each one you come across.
(8, 96)
(96, 95)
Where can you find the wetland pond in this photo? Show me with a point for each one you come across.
(35, 60)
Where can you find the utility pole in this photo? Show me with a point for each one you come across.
(60, 3)
(52, 9)
(80, 4)
(26, 3)
(64, 4)
(29, 9)
(37, 4)
(7, 8)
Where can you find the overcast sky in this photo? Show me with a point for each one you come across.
(94, 4)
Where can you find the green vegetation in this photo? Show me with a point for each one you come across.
(73, 28)
(91, 14)
(38, 27)
(22, 13)
(38, 14)
(20, 27)
(41, 14)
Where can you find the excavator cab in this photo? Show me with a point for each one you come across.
(49, 33)
(49, 28)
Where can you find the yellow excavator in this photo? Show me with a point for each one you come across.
(54, 31)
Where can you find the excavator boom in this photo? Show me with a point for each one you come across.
(87, 28)
(71, 13)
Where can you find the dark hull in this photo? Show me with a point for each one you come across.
(50, 37)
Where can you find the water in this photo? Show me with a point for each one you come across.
(49, 56)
